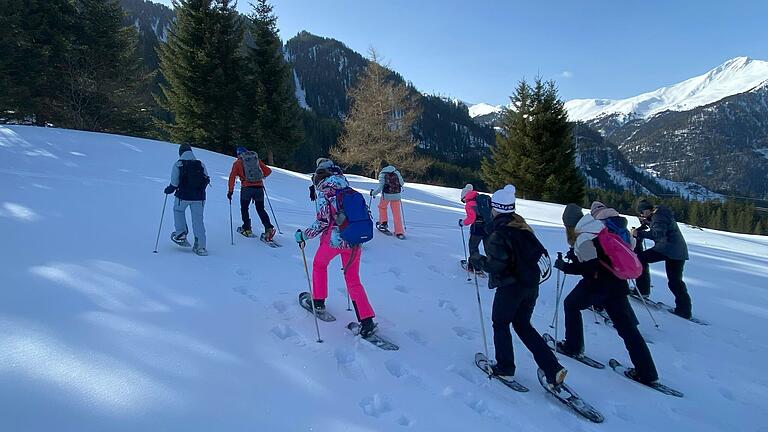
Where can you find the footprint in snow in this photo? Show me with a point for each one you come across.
(286, 333)
(376, 405)
(396, 271)
(402, 288)
(347, 364)
(448, 305)
(245, 292)
(417, 337)
(400, 370)
(465, 333)
(244, 273)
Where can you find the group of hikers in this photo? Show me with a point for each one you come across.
(601, 250)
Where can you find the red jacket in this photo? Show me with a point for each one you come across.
(471, 208)
(237, 171)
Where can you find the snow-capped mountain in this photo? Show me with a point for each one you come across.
(735, 76)
(482, 109)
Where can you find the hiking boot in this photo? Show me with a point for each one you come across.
(269, 233)
(631, 373)
(508, 374)
(565, 349)
(382, 226)
(179, 238)
(559, 378)
(319, 305)
(201, 251)
(367, 328)
(400, 236)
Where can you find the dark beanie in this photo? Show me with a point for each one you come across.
(643, 205)
(572, 215)
(383, 164)
(184, 147)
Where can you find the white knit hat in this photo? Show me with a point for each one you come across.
(503, 200)
(324, 163)
(468, 188)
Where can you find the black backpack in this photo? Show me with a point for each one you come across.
(529, 255)
(392, 183)
(192, 181)
(483, 210)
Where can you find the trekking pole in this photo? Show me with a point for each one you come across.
(370, 200)
(642, 299)
(558, 294)
(402, 213)
(231, 224)
(594, 314)
(464, 243)
(349, 308)
(162, 216)
(309, 284)
(272, 210)
(482, 321)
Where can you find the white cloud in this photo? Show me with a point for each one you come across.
(566, 74)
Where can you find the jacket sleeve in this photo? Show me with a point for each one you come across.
(470, 208)
(175, 173)
(265, 169)
(381, 184)
(400, 178)
(322, 219)
(658, 233)
(232, 175)
(498, 256)
(577, 267)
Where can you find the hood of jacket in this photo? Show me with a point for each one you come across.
(331, 184)
(388, 169)
(187, 155)
(589, 225)
(586, 230)
(512, 220)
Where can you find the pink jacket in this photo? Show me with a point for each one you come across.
(470, 206)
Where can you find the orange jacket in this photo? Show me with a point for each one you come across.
(237, 171)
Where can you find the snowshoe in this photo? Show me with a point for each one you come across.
(400, 236)
(632, 374)
(180, 239)
(245, 232)
(372, 337)
(323, 315)
(383, 228)
(570, 398)
(580, 357)
(479, 273)
(201, 251)
(269, 234)
(486, 366)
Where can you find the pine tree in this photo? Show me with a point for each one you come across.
(200, 66)
(271, 107)
(379, 124)
(535, 150)
(35, 35)
(102, 75)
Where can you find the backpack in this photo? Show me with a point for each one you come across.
(624, 263)
(618, 226)
(392, 183)
(353, 217)
(251, 166)
(531, 266)
(192, 181)
(483, 212)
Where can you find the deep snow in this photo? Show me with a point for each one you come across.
(98, 333)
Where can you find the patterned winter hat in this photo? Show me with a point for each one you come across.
(600, 212)
(467, 189)
(503, 200)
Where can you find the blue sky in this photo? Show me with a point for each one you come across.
(477, 50)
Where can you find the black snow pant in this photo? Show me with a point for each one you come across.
(624, 320)
(674, 270)
(255, 194)
(512, 305)
(476, 235)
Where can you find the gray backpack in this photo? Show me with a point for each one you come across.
(251, 166)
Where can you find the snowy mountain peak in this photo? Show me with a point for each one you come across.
(482, 109)
(737, 75)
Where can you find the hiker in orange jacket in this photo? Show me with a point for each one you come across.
(251, 171)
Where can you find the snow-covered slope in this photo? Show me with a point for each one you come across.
(735, 76)
(482, 109)
(98, 333)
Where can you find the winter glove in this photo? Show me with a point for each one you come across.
(560, 264)
(461, 222)
(229, 195)
(300, 239)
(478, 261)
(170, 189)
(373, 194)
(571, 255)
(312, 193)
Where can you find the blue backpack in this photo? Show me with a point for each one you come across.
(353, 217)
(618, 225)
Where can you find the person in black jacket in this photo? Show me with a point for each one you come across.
(512, 258)
(659, 225)
(600, 288)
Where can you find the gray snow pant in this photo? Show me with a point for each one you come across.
(180, 219)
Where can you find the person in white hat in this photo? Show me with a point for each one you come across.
(513, 253)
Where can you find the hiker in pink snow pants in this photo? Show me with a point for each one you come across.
(328, 180)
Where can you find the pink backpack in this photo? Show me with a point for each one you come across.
(624, 263)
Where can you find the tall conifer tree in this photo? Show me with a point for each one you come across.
(535, 150)
(270, 90)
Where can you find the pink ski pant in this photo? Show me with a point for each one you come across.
(326, 253)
